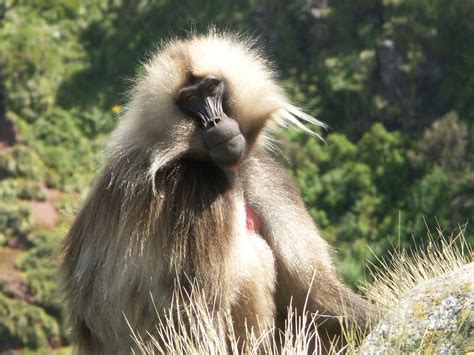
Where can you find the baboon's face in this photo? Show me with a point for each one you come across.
(204, 101)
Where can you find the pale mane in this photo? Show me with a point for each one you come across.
(256, 98)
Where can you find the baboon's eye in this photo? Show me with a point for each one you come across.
(211, 87)
(190, 97)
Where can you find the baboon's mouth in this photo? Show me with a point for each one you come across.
(229, 152)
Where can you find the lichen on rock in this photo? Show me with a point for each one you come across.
(436, 316)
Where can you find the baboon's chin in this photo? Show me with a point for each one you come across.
(206, 165)
(229, 153)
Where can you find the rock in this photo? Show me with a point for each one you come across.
(435, 317)
(312, 14)
(318, 28)
(395, 86)
(263, 15)
(390, 60)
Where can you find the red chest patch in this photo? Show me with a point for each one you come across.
(254, 224)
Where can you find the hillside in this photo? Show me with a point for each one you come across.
(393, 79)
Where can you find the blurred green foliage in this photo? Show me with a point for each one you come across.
(372, 194)
(21, 188)
(27, 325)
(393, 79)
(15, 220)
(39, 265)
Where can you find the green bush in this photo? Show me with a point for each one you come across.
(367, 194)
(28, 325)
(14, 220)
(21, 161)
(21, 188)
(40, 267)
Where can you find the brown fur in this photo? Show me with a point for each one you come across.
(160, 212)
(182, 230)
(299, 251)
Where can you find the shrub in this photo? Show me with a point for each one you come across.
(21, 188)
(21, 161)
(27, 325)
(14, 221)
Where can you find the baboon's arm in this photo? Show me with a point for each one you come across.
(300, 252)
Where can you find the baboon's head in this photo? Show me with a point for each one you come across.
(205, 98)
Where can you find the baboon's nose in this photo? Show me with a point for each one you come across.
(213, 122)
(219, 130)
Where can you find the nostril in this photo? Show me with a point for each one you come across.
(224, 132)
(213, 122)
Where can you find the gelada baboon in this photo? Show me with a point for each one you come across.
(190, 193)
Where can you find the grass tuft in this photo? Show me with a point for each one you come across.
(189, 325)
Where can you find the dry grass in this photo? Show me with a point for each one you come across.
(188, 327)
(404, 269)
